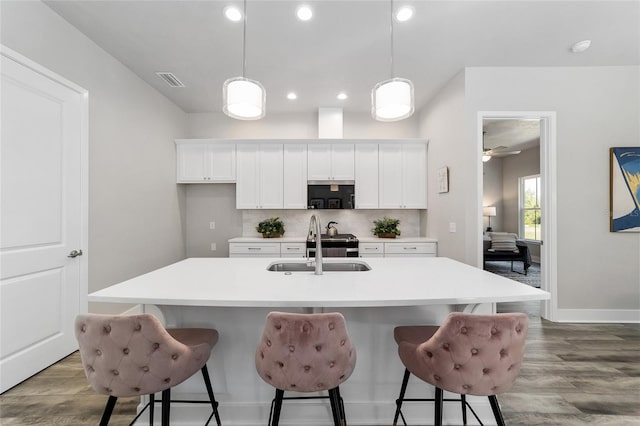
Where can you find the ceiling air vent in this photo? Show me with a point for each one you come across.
(170, 79)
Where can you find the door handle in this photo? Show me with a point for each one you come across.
(75, 253)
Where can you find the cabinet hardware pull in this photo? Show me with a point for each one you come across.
(254, 248)
(411, 248)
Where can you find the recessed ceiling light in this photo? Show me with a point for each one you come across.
(342, 96)
(581, 46)
(232, 13)
(292, 96)
(404, 13)
(304, 13)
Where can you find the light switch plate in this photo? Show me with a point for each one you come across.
(452, 227)
(213, 247)
(212, 225)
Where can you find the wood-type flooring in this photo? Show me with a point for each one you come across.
(573, 374)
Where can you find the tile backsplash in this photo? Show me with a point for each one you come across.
(358, 222)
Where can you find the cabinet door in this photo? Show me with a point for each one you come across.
(221, 159)
(342, 160)
(390, 178)
(414, 175)
(371, 249)
(295, 176)
(247, 177)
(192, 164)
(270, 176)
(319, 161)
(366, 176)
(254, 249)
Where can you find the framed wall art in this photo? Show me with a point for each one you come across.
(624, 194)
(443, 179)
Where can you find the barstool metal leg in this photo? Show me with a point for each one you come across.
(438, 407)
(108, 409)
(463, 401)
(166, 406)
(277, 407)
(333, 399)
(343, 414)
(212, 398)
(403, 389)
(152, 402)
(493, 400)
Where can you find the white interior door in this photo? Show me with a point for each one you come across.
(42, 289)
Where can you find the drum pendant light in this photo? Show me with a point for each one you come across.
(243, 99)
(392, 99)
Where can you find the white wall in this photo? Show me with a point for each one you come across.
(135, 207)
(492, 193)
(527, 163)
(597, 108)
(441, 121)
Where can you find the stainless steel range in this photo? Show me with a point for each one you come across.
(339, 245)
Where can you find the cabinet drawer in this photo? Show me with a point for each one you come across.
(368, 249)
(257, 249)
(410, 248)
(293, 249)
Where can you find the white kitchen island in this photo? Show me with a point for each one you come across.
(234, 296)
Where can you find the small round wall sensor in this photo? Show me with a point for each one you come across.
(581, 46)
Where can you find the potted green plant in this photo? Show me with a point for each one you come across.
(271, 228)
(386, 227)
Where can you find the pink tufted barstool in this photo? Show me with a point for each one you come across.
(305, 353)
(134, 355)
(468, 355)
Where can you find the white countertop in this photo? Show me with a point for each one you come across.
(399, 239)
(302, 239)
(245, 282)
(268, 240)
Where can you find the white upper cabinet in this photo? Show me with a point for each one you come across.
(366, 176)
(402, 176)
(259, 182)
(330, 161)
(295, 176)
(204, 161)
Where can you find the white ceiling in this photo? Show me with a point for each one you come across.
(346, 44)
(513, 134)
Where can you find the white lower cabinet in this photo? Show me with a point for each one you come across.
(254, 249)
(399, 249)
(267, 249)
(371, 249)
(293, 250)
(410, 249)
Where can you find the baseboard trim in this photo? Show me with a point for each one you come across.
(598, 315)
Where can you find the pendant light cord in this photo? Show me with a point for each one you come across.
(391, 31)
(244, 40)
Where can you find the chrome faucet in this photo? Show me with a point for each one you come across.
(314, 230)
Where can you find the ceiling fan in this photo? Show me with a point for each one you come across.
(498, 151)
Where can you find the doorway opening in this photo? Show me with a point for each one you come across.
(517, 188)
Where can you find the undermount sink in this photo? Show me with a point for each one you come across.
(327, 266)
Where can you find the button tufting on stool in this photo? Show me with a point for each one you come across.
(312, 352)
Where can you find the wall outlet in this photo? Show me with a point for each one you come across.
(213, 247)
(452, 227)
(212, 225)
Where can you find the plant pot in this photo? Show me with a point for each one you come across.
(271, 235)
(387, 235)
